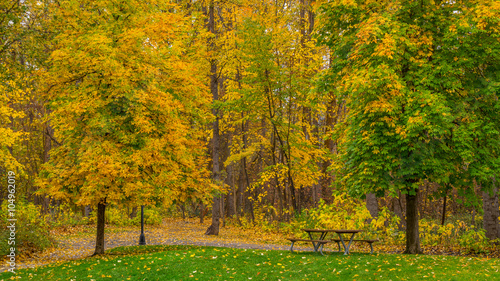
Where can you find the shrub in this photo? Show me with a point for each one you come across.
(32, 229)
(474, 241)
(64, 215)
(151, 217)
(386, 228)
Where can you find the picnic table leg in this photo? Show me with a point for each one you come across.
(321, 249)
(342, 241)
(349, 245)
(338, 244)
(346, 252)
(322, 237)
(316, 244)
(291, 248)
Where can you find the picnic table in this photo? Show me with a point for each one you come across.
(320, 240)
(324, 232)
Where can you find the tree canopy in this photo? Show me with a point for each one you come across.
(420, 81)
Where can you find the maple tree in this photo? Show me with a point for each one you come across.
(420, 92)
(127, 103)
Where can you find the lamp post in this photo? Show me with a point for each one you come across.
(142, 238)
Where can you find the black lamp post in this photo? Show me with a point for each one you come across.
(142, 238)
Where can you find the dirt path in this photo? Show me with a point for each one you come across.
(79, 242)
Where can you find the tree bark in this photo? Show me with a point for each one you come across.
(203, 210)
(443, 215)
(87, 209)
(397, 209)
(491, 214)
(372, 205)
(133, 213)
(412, 231)
(213, 229)
(47, 146)
(99, 243)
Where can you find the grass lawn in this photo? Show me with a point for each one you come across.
(210, 263)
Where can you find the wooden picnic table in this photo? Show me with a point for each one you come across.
(324, 232)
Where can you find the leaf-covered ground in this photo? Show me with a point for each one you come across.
(210, 263)
(79, 242)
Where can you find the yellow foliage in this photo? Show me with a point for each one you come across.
(129, 104)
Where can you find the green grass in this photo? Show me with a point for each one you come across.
(209, 263)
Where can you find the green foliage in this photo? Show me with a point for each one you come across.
(474, 241)
(386, 228)
(420, 91)
(32, 229)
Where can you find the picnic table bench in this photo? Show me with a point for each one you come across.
(369, 241)
(317, 244)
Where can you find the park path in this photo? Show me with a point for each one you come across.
(79, 242)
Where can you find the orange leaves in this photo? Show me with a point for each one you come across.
(125, 96)
(487, 15)
(386, 47)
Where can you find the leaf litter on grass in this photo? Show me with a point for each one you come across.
(79, 241)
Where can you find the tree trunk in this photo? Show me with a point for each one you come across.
(133, 213)
(87, 209)
(183, 211)
(47, 146)
(99, 243)
(412, 231)
(443, 215)
(397, 209)
(372, 205)
(491, 214)
(213, 229)
(203, 210)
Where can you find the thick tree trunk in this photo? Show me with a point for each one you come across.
(99, 243)
(412, 231)
(372, 205)
(213, 229)
(491, 214)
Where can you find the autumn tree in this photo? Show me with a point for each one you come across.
(269, 107)
(420, 83)
(128, 105)
(22, 51)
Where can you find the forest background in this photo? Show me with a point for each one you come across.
(279, 115)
